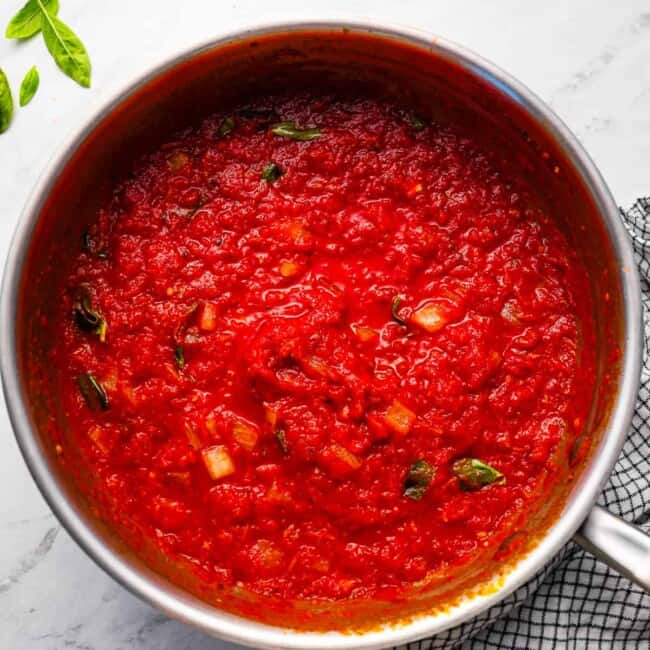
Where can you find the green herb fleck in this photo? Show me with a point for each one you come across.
(29, 86)
(416, 122)
(90, 247)
(290, 130)
(271, 173)
(226, 126)
(87, 318)
(282, 441)
(179, 357)
(92, 392)
(473, 474)
(418, 479)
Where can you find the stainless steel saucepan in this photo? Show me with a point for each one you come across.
(421, 70)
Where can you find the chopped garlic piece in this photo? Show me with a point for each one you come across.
(430, 318)
(245, 434)
(364, 333)
(346, 456)
(288, 269)
(217, 461)
(208, 317)
(399, 418)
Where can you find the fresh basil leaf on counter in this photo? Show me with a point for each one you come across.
(27, 22)
(29, 86)
(66, 49)
(6, 102)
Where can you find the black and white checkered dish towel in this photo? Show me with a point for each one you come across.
(576, 602)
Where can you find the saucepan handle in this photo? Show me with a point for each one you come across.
(623, 546)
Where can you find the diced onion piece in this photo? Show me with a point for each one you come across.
(245, 434)
(109, 380)
(399, 418)
(266, 555)
(288, 269)
(271, 416)
(211, 424)
(298, 231)
(182, 478)
(364, 333)
(96, 434)
(129, 393)
(430, 318)
(217, 461)
(177, 160)
(208, 317)
(511, 313)
(320, 367)
(275, 494)
(346, 456)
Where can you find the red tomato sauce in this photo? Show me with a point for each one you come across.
(329, 376)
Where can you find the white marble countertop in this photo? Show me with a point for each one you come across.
(590, 59)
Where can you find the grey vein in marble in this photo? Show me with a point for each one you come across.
(31, 559)
(638, 29)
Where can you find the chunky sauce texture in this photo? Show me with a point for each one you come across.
(324, 367)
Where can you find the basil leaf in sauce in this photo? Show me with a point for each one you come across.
(290, 130)
(416, 122)
(271, 173)
(226, 126)
(65, 47)
(93, 392)
(87, 318)
(29, 86)
(27, 21)
(473, 474)
(394, 310)
(91, 247)
(282, 441)
(6, 102)
(179, 357)
(418, 479)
